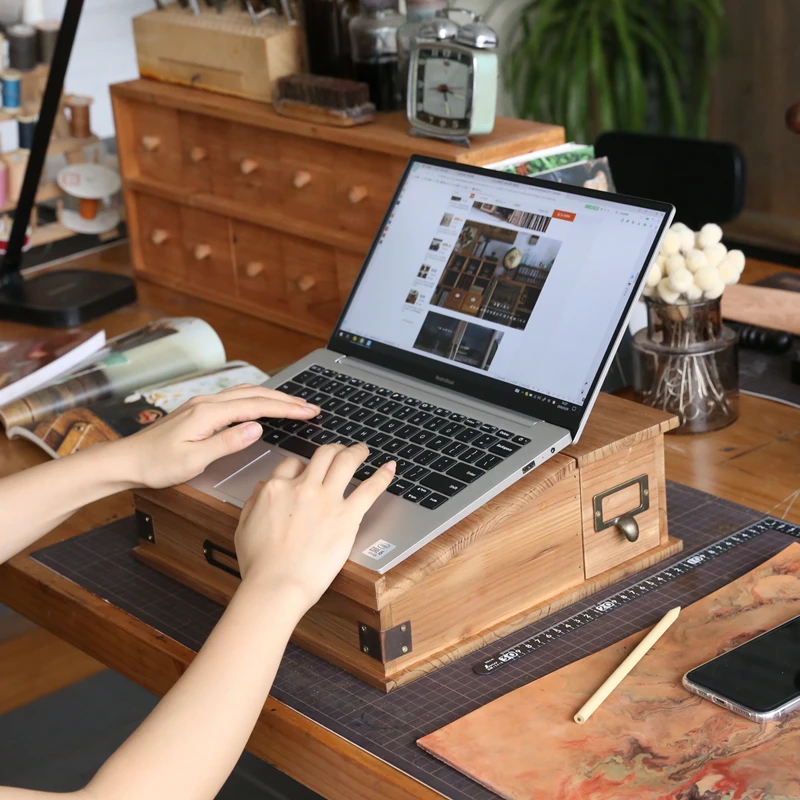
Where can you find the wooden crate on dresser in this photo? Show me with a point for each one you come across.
(231, 202)
(543, 543)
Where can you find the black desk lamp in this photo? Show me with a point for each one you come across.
(67, 297)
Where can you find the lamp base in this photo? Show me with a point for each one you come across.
(65, 298)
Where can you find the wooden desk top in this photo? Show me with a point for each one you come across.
(756, 462)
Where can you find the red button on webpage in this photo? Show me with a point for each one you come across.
(568, 216)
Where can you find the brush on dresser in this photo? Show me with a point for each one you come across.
(318, 98)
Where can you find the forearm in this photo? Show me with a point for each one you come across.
(34, 501)
(189, 744)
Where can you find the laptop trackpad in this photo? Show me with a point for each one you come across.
(241, 485)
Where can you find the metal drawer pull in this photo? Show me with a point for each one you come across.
(209, 551)
(254, 269)
(151, 143)
(625, 522)
(198, 154)
(159, 236)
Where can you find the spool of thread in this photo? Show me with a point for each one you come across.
(88, 207)
(25, 129)
(3, 183)
(22, 47)
(12, 89)
(79, 123)
(17, 164)
(46, 36)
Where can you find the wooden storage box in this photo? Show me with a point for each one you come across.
(542, 544)
(221, 51)
(233, 203)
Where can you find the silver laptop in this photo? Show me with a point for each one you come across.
(471, 349)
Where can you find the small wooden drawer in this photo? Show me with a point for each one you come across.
(244, 167)
(207, 251)
(200, 146)
(160, 240)
(312, 291)
(260, 277)
(156, 143)
(364, 185)
(627, 484)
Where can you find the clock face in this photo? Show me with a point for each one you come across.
(444, 88)
(513, 258)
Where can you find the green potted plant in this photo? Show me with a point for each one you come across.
(595, 65)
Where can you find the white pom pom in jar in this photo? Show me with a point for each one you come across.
(715, 291)
(686, 240)
(674, 262)
(666, 292)
(671, 243)
(654, 276)
(695, 260)
(707, 277)
(693, 293)
(715, 253)
(680, 280)
(738, 259)
(709, 234)
(728, 271)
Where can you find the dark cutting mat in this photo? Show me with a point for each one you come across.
(388, 726)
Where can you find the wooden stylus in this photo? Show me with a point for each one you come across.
(616, 677)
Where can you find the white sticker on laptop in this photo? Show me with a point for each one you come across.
(379, 549)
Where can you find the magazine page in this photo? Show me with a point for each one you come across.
(26, 364)
(77, 428)
(593, 174)
(162, 350)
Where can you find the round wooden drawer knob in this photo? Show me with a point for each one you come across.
(159, 236)
(357, 194)
(151, 143)
(202, 251)
(198, 154)
(248, 165)
(301, 178)
(306, 283)
(254, 269)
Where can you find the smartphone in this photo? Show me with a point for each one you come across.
(759, 679)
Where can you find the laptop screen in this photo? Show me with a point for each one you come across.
(510, 289)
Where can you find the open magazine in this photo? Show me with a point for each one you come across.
(135, 380)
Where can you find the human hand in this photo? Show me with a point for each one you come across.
(297, 529)
(180, 446)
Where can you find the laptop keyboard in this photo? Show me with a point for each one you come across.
(438, 452)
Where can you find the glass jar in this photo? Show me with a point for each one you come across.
(418, 13)
(686, 363)
(373, 42)
(327, 25)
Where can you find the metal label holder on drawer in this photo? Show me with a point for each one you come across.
(535, 548)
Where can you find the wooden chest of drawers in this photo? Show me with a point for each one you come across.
(233, 203)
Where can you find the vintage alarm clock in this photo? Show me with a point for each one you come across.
(452, 81)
